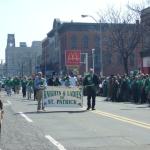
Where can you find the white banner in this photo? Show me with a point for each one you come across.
(60, 96)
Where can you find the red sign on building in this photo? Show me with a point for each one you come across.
(72, 57)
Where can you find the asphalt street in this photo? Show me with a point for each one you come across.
(112, 126)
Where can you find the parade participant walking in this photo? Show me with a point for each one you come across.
(8, 86)
(40, 85)
(34, 89)
(24, 86)
(91, 83)
(56, 81)
(16, 83)
(72, 80)
(29, 88)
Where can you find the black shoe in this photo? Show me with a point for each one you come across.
(88, 108)
(93, 109)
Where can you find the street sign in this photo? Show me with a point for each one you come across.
(72, 57)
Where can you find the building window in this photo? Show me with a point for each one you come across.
(97, 60)
(97, 41)
(131, 59)
(108, 58)
(55, 41)
(73, 42)
(85, 41)
(110, 44)
(120, 59)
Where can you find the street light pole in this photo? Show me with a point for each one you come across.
(93, 55)
(85, 61)
(45, 61)
(101, 50)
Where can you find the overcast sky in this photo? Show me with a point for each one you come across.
(31, 20)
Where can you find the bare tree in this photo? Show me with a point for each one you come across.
(138, 6)
(125, 33)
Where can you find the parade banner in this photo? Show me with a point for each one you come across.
(60, 96)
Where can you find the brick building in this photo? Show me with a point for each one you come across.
(84, 37)
(145, 53)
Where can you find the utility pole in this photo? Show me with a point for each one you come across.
(93, 56)
(85, 61)
(100, 42)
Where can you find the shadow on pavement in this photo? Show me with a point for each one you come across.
(53, 111)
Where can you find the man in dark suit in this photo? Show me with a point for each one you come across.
(91, 83)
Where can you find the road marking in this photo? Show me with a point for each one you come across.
(123, 119)
(8, 103)
(56, 143)
(26, 117)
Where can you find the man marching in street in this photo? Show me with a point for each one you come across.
(91, 83)
(40, 85)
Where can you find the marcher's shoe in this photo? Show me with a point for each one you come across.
(93, 109)
(88, 108)
(39, 110)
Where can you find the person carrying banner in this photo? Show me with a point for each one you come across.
(91, 83)
(72, 80)
(40, 85)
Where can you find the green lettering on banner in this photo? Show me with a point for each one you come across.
(66, 102)
(64, 93)
(76, 94)
(51, 93)
(61, 97)
(59, 101)
(50, 101)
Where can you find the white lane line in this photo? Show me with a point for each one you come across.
(56, 143)
(26, 117)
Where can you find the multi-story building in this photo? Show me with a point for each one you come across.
(145, 53)
(22, 60)
(2, 68)
(84, 37)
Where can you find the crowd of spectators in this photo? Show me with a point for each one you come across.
(116, 88)
(134, 88)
